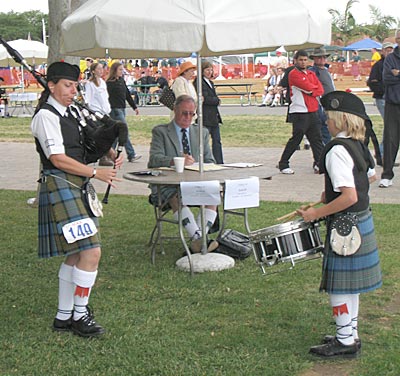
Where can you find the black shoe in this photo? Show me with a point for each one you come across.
(307, 147)
(328, 339)
(335, 349)
(86, 326)
(62, 325)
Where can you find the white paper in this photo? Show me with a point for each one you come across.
(242, 165)
(242, 193)
(201, 193)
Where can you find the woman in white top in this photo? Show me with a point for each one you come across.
(96, 90)
(183, 84)
(96, 96)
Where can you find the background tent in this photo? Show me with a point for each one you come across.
(363, 45)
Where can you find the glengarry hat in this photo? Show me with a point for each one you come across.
(60, 69)
(344, 102)
(185, 66)
(319, 51)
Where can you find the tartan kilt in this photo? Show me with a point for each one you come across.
(61, 203)
(357, 273)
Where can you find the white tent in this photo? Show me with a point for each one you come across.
(177, 28)
(166, 28)
(34, 52)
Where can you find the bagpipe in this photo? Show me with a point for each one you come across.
(100, 131)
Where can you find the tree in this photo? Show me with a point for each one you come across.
(344, 24)
(380, 27)
(20, 25)
(58, 11)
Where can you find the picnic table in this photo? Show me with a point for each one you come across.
(242, 90)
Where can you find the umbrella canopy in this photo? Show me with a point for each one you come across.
(363, 45)
(34, 52)
(175, 28)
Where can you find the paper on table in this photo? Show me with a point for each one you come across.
(201, 193)
(242, 193)
(242, 164)
(206, 166)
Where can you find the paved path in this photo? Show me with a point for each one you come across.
(21, 168)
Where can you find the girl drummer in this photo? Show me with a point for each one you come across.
(348, 168)
(65, 226)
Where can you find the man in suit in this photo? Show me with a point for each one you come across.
(168, 141)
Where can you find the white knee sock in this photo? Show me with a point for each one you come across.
(341, 306)
(189, 223)
(355, 302)
(83, 281)
(210, 216)
(66, 290)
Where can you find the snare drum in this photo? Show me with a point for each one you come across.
(287, 242)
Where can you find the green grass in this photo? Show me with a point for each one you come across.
(243, 130)
(160, 321)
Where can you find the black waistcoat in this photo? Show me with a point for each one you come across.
(73, 139)
(362, 161)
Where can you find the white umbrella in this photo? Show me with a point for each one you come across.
(177, 28)
(162, 28)
(34, 52)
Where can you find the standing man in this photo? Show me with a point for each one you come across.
(320, 68)
(303, 110)
(391, 128)
(375, 80)
(181, 138)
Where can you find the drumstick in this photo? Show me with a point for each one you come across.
(294, 213)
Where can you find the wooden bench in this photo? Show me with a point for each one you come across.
(245, 97)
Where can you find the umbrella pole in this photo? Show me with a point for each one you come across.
(201, 146)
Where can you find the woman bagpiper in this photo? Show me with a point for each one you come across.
(353, 267)
(66, 226)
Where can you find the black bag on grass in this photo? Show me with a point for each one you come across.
(234, 244)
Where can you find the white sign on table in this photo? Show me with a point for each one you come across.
(242, 193)
(201, 193)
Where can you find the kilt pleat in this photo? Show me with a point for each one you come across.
(61, 203)
(354, 274)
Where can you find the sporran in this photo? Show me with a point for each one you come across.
(345, 237)
(91, 200)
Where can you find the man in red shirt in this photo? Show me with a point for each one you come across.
(305, 87)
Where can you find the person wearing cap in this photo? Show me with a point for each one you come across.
(183, 84)
(320, 68)
(66, 227)
(391, 122)
(349, 168)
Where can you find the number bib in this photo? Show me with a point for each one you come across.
(78, 230)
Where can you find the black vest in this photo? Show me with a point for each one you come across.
(73, 139)
(362, 162)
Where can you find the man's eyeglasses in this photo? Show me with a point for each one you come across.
(188, 113)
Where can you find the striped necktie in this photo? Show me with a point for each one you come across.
(185, 142)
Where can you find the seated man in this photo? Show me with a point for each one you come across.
(166, 143)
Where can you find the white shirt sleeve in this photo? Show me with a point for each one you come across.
(46, 128)
(339, 165)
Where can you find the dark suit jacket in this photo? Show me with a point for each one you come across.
(165, 145)
(211, 115)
